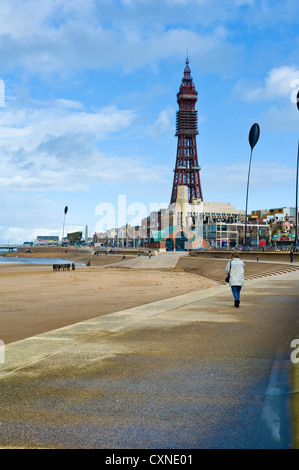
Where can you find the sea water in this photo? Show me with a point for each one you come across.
(17, 259)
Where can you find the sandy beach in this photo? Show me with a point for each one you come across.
(34, 299)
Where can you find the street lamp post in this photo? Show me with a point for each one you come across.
(65, 212)
(296, 205)
(296, 215)
(254, 134)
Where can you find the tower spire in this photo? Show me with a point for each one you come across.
(186, 171)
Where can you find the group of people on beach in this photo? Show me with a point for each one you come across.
(64, 267)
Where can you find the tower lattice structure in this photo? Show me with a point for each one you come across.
(187, 170)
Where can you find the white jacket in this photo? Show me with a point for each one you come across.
(236, 270)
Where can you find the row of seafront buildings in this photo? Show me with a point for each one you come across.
(203, 225)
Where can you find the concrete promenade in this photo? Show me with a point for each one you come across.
(189, 372)
(166, 260)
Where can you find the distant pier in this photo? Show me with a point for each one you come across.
(9, 247)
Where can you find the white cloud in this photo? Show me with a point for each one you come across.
(163, 123)
(69, 104)
(55, 147)
(20, 19)
(15, 235)
(279, 82)
(27, 128)
(56, 36)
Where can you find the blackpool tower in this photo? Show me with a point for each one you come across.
(186, 172)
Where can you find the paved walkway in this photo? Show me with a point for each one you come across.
(158, 261)
(183, 373)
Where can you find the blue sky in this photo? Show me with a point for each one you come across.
(88, 101)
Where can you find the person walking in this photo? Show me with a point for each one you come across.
(235, 270)
(291, 255)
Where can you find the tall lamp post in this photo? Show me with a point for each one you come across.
(254, 134)
(296, 215)
(65, 212)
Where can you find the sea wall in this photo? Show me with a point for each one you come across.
(277, 256)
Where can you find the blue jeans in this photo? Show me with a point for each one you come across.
(236, 290)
